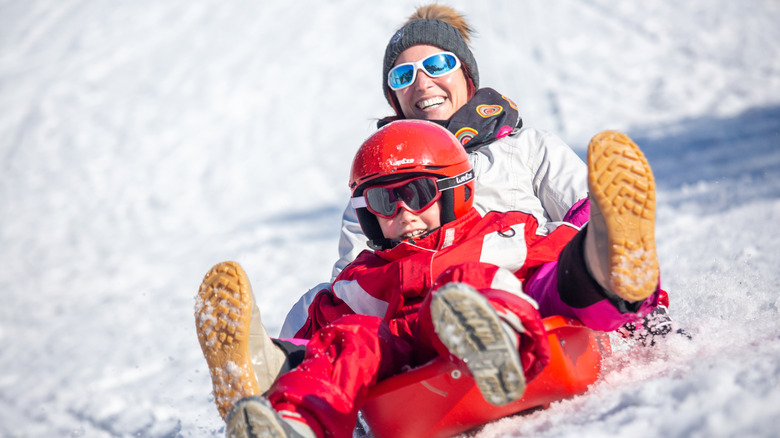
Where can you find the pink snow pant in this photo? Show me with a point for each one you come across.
(565, 288)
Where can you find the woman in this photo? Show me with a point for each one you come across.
(516, 168)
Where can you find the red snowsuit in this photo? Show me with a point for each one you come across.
(387, 328)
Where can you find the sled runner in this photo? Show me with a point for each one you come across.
(440, 400)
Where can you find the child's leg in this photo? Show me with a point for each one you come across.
(498, 335)
(471, 330)
(343, 362)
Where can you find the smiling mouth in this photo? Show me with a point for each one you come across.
(430, 103)
(413, 234)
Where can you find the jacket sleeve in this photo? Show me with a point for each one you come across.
(561, 177)
(530, 171)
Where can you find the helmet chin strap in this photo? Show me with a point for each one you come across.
(381, 244)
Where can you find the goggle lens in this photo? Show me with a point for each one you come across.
(418, 194)
(438, 64)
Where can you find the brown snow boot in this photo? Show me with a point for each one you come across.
(242, 359)
(620, 240)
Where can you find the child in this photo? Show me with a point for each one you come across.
(446, 281)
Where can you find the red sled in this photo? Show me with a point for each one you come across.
(440, 400)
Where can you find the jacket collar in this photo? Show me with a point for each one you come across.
(440, 238)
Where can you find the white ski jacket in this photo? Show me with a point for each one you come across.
(530, 170)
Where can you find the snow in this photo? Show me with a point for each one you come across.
(143, 141)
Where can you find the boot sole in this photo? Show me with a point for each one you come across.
(253, 418)
(471, 330)
(622, 184)
(223, 309)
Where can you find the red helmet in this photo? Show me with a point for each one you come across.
(408, 148)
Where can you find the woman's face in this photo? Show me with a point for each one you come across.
(431, 98)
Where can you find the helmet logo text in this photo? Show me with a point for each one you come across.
(403, 161)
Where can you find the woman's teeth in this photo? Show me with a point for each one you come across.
(427, 103)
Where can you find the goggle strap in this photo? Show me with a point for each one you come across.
(455, 181)
(359, 202)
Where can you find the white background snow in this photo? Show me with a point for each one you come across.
(142, 141)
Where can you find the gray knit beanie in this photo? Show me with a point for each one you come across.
(433, 32)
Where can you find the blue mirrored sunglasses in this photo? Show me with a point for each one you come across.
(438, 64)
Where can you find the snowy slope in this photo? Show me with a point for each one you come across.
(143, 141)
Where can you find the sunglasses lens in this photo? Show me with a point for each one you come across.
(417, 194)
(401, 76)
(436, 65)
(439, 64)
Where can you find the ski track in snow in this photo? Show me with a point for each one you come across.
(142, 142)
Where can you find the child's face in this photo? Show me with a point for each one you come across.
(406, 224)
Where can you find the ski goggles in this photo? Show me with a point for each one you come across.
(438, 64)
(417, 194)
